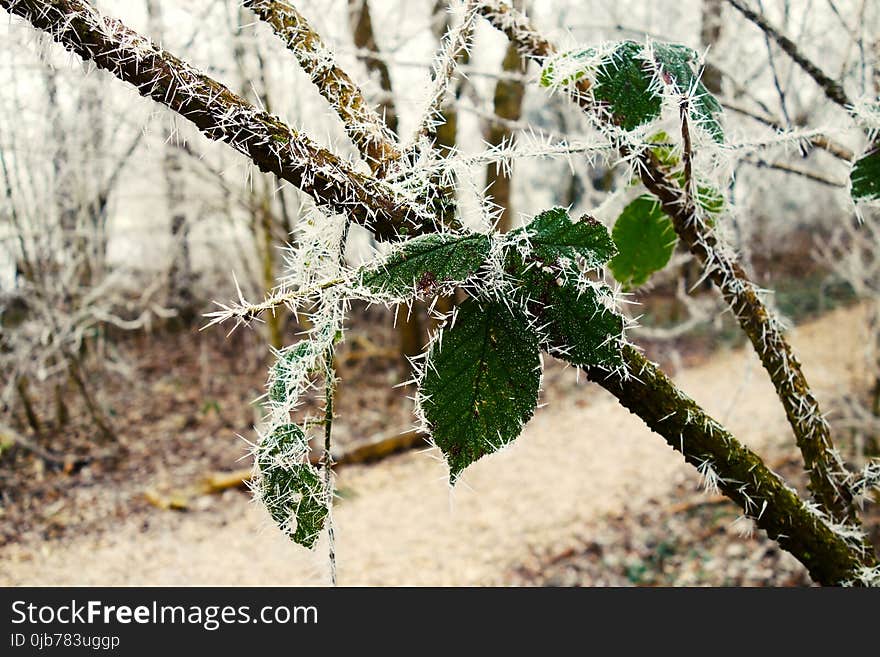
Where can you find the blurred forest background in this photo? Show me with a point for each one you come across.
(120, 226)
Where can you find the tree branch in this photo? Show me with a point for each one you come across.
(455, 45)
(798, 171)
(364, 126)
(832, 88)
(819, 141)
(812, 433)
(829, 554)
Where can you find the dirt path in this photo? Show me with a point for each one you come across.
(580, 458)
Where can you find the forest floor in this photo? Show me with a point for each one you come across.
(586, 496)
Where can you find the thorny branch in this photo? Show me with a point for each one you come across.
(364, 126)
(455, 44)
(829, 556)
(819, 141)
(813, 435)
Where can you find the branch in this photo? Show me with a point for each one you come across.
(812, 433)
(455, 45)
(832, 89)
(364, 126)
(819, 141)
(830, 555)
(798, 171)
(220, 114)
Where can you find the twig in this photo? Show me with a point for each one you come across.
(832, 88)
(364, 126)
(798, 171)
(455, 43)
(812, 433)
(327, 457)
(819, 141)
(783, 104)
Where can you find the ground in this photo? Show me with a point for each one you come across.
(586, 496)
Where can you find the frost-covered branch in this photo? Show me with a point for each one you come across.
(832, 88)
(362, 124)
(812, 433)
(829, 551)
(798, 171)
(456, 43)
(819, 140)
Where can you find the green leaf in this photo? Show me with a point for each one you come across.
(645, 239)
(624, 84)
(481, 382)
(583, 331)
(289, 360)
(291, 489)
(577, 327)
(677, 62)
(554, 235)
(665, 154)
(865, 177)
(427, 263)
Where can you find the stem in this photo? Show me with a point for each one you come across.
(327, 458)
(455, 46)
(687, 157)
(812, 433)
(819, 141)
(830, 558)
(266, 252)
(364, 126)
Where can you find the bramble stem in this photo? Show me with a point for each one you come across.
(812, 433)
(830, 558)
(364, 126)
